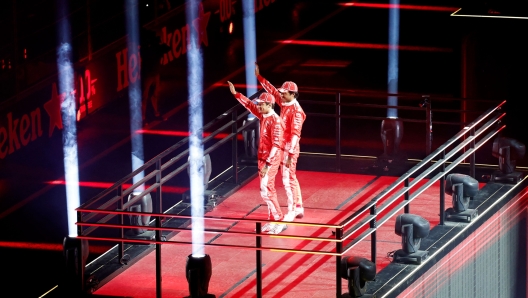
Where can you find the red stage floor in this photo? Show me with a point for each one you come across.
(328, 198)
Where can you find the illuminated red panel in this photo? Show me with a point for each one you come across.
(47, 246)
(164, 132)
(400, 6)
(29, 245)
(358, 45)
(238, 86)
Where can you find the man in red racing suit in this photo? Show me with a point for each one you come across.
(293, 117)
(271, 144)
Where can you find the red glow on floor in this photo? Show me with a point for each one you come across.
(400, 6)
(358, 45)
(104, 185)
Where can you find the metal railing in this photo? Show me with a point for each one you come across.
(365, 222)
(422, 109)
(160, 170)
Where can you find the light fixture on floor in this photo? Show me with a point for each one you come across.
(508, 151)
(462, 188)
(142, 205)
(210, 196)
(198, 271)
(75, 253)
(357, 271)
(391, 136)
(412, 228)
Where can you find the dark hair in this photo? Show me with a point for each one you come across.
(295, 94)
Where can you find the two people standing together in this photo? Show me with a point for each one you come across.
(278, 145)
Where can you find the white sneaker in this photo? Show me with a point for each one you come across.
(290, 216)
(265, 228)
(299, 212)
(277, 228)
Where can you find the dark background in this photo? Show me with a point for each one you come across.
(486, 61)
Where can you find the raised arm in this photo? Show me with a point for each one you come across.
(268, 86)
(246, 102)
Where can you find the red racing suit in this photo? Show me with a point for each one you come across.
(293, 117)
(271, 144)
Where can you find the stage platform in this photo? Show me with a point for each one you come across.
(328, 199)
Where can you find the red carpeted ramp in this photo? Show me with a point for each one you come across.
(328, 198)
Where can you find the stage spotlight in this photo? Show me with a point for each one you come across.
(462, 188)
(210, 196)
(143, 205)
(358, 271)
(208, 168)
(508, 151)
(412, 228)
(391, 136)
(75, 253)
(198, 271)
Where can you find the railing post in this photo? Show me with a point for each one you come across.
(472, 156)
(121, 248)
(339, 250)
(428, 124)
(442, 190)
(158, 232)
(407, 208)
(80, 262)
(373, 238)
(234, 146)
(158, 195)
(79, 219)
(259, 260)
(338, 132)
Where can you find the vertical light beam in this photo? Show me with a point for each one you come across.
(134, 89)
(68, 114)
(392, 72)
(196, 166)
(250, 48)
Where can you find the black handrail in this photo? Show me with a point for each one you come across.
(428, 119)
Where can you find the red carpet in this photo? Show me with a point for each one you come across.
(328, 198)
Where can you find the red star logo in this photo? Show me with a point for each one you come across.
(200, 25)
(52, 106)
